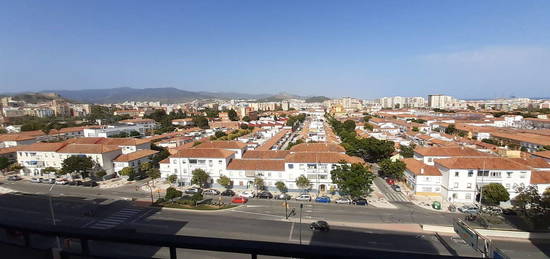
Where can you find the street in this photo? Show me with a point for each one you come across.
(354, 226)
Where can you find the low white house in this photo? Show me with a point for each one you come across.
(134, 159)
(423, 179)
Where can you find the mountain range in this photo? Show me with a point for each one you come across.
(164, 95)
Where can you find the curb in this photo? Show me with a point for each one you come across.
(491, 233)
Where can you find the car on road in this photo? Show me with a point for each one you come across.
(320, 225)
(396, 188)
(304, 197)
(322, 199)
(239, 199)
(14, 178)
(193, 190)
(61, 182)
(265, 195)
(75, 182)
(283, 196)
(390, 181)
(90, 184)
(470, 209)
(247, 194)
(47, 180)
(360, 202)
(36, 180)
(228, 193)
(343, 201)
(211, 192)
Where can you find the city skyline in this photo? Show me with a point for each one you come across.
(367, 50)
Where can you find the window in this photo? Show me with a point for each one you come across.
(522, 175)
(290, 166)
(456, 174)
(192, 161)
(456, 185)
(496, 174)
(470, 173)
(469, 186)
(468, 196)
(175, 161)
(430, 159)
(455, 195)
(175, 170)
(482, 173)
(220, 162)
(426, 189)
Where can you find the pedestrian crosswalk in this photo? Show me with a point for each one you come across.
(116, 219)
(395, 196)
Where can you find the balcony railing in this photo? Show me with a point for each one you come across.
(173, 242)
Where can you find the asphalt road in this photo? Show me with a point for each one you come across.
(258, 220)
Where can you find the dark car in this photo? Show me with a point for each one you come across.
(193, 190)
(396, 188)
(320, 226)
(75, 183)
(14, 178)
(90, 184)
(265, 195)
(228, 193)
(360, 201)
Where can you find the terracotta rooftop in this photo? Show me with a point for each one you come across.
(204, 153)
(109, 141)
(532, 162)
(222, 144)
(265, 154)
(8, 150)
(137, 121)
(453, 151)
(165, 161)
(543, 154)
(43, 147)
(524, 137)
(88, 149)
(135, 155)
(317, 147)
(321, 157)
(256, 164)
(416, 166)
(488, 163)
(540, 177)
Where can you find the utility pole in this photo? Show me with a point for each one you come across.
(301, 206)
(52, 213)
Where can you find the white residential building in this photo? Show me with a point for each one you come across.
(423, 179)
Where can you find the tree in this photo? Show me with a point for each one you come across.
(172, 179)
(15, 167)
(354, 180)
(134, 133)
(4, 163)
(172, 193)
(415, 129)
(146, 167)
(100, 174)
(246, 118)
(153, 173)
(493, 194)
(243, 126)
(77, 164)
(528, 199)
(451, 129)
(201, 122)
(407, 151)
(50, 169)
(303, 183)
(225, 182)
(219, 134)
(392, 169)
(545, 199)
(232, 114)
(349, 125)
(127, 171)
(200, 177)
(367, 118)
(281, 186)
(259, 183)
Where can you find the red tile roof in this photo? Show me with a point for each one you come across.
(453, 151)
(203, 153)
(88, 149)
(135, 155)
(267, 154)
(540, 177)
(317, 147)
(222, 144)
(256, 164)
(544, 154)
(488, 163)
(321, 157)
(416, 166)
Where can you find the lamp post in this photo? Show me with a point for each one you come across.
(52, 213)
(301, 206)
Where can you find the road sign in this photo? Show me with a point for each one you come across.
(470, 236)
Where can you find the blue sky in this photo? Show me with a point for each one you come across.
(366, 49)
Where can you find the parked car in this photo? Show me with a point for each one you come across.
(265, 195)
(304, 197)
(228, 193)
(322, 199)
(247, 194)
(211, 192)
(36, 180)
(396, 188)
(14, 178)
(390, 181)
(61, 182)
(470, 209)
(283, 196)
(47, 180)
(360, 202)
(509, 212)
(343, 200)
(239, 199)
(193, 190)
(90, 184)
(492, 210)
(75, 183)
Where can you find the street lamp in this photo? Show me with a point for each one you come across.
(301, 206)
(52, 212)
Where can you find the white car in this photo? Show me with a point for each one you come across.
(304, 197)
(343, 201)
(61, 181)
(247, 194)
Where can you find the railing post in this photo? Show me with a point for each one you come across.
(84, 246)
(27, 239)
(173, 254)
(254, 256)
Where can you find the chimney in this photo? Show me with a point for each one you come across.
(421, 170)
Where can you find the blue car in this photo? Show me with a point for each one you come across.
(323, 199)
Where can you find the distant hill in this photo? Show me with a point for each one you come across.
(317, 99)
(37, 97)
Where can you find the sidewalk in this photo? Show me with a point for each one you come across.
(491, 233)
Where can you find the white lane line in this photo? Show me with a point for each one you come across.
(262, 214)
(291, 230)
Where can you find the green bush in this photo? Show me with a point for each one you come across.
(172, 193)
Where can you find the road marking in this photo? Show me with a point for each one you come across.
(291, 230)
(255, 213)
